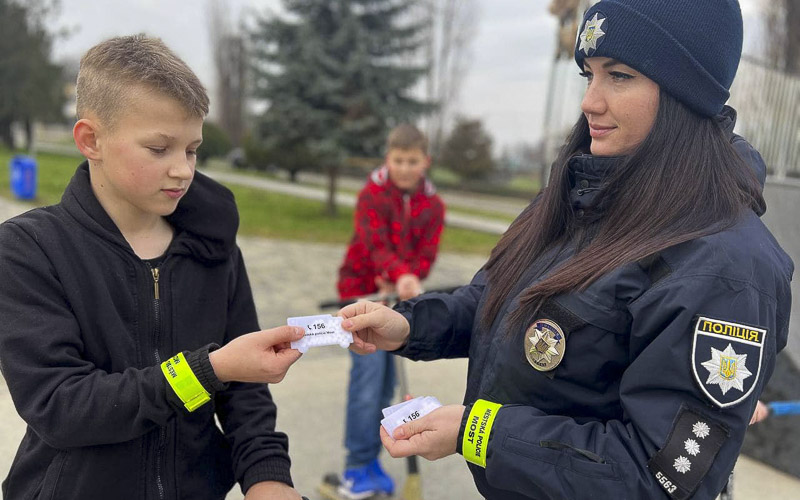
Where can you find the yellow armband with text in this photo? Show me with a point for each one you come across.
(476, 434)
(183, 381)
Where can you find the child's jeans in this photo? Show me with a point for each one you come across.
(372, 379)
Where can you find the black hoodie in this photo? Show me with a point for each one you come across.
(82, 338)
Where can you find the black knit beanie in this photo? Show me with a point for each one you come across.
(690, 48)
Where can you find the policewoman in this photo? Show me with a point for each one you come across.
(624, 326)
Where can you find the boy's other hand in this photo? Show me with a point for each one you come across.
(374, 326)
(262, 357)
(761, 412)
(271, 490)
(408, 286)
(385, 288)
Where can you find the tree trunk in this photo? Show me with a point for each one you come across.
(293, 175)
(6, 137)
(29, 135)
(333, 174)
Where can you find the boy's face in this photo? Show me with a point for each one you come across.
(406, 167)
(147, 161)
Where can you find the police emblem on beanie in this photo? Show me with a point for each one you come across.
(691, 51)
(592, 32)
(544, 343)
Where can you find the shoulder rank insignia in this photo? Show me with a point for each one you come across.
(544, 344)
(692, 445)
(726, 359)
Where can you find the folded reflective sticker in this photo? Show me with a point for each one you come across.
(726, 359)
(320, 330)
(688, 454)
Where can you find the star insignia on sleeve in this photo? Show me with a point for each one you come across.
(727, 369)
(682, 464)
(591, 34)
(701, 430)
(692, 447)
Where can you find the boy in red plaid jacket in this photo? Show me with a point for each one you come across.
(398, 222)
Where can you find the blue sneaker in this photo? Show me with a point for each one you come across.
(382, 480)
(358, 483)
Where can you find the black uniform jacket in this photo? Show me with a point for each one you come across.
(81, 340)
(662, 365)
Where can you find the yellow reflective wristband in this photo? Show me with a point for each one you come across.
(476, 435)
(183, 381)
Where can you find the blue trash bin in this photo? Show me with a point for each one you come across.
(23, 177)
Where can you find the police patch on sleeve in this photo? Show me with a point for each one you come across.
(691, 448)
(726, 359)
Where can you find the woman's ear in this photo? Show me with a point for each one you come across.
(85, 133)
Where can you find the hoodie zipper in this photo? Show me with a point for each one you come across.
(162, 433)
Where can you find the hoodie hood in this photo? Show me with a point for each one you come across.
(206, 220)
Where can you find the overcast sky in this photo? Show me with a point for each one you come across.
(505, 85)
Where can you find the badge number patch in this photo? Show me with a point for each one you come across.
(726, 359)
(544, 344)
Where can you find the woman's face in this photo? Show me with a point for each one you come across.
(620, 105)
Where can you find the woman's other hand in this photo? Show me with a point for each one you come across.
(432, 437)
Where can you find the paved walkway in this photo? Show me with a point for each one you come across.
(289, 279)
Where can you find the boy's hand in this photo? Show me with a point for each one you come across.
(374, 326)
(432, 437)
(408, 286)
(262, 357)
(761, 412)
(271, 490)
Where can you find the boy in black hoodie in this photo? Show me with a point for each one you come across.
(114, 302)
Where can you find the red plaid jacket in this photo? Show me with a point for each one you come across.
(395, 233)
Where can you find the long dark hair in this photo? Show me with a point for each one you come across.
(684, 181)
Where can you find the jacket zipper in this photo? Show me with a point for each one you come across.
(162, 433)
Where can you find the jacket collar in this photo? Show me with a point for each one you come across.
(587, 174)
(206, 219)
(380, 177)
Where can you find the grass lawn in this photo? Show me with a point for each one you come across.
(270, 215)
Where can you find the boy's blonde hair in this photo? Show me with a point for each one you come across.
(407, 136)
(112, 69)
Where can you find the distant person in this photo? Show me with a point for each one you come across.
(115, 301)
(625, 325)
(398, 222)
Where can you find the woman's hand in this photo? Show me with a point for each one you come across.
(271, 490)
(262, 357)
(374, 326)
(432, 437)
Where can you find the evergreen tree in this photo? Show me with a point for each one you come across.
(31, 87)
(468, 150)
(332, 73)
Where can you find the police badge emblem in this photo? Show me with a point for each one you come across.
(544, 344)
(589, 38)
(726, 359)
